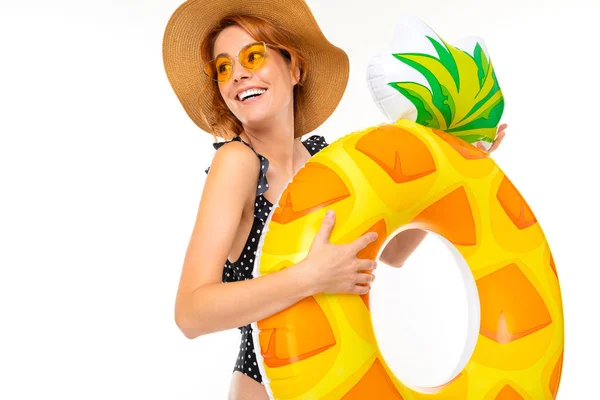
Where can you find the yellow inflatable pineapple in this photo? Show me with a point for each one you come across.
(419, 172)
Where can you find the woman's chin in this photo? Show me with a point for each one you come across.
(257, 120)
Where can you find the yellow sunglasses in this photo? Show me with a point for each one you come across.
(251, 56)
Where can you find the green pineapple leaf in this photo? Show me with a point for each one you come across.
(463, 97)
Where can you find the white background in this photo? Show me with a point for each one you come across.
(101, 172)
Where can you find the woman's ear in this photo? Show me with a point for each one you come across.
(296, 75)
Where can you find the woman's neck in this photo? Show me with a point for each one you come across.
(276, 142)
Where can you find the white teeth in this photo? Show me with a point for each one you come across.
(242, 96)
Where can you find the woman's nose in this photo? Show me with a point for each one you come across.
(239, 72)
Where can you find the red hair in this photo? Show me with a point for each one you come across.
(222, 121)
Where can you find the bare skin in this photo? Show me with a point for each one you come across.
(204, 305)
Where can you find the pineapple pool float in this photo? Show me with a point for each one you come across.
(418, 171)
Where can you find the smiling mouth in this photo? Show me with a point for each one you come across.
(254, 93)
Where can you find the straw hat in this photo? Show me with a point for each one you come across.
(328, 65)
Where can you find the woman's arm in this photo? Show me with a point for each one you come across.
(203, 303)
(401, 247)
(219, 306)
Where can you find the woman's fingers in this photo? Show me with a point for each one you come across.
(365, 264)
(324, 232)
(497, 142)
(364, 278)
(362, 242)
(499, 136)
(362, 281)
(358, 289)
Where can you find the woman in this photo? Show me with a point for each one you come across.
(270, 77)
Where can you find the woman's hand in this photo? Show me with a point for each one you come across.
(330, 268)
(499, 136)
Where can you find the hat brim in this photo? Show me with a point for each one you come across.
(328, 65)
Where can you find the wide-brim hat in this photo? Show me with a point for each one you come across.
(328, 65)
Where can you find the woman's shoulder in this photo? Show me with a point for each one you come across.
(233, 158)
(236, 160)
(238, 148)
(233, 171)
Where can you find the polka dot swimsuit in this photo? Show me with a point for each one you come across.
(242, 268)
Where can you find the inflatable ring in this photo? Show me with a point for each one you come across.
(406, 175)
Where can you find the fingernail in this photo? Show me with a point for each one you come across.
(374, 235)
(329, 213)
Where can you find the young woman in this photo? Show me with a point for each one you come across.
(267, 77)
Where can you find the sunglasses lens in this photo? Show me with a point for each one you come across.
(253, 55)
(218, 69)
(223, 68)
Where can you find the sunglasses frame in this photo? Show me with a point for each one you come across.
(259, 66)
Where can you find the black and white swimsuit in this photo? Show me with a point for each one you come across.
(242, 268)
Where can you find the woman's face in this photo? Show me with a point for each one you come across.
(274, 76)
